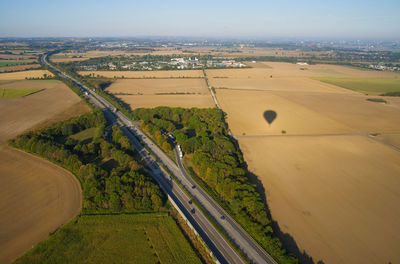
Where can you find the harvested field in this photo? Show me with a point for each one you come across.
(168, 51)
(157, 86)
(19, 67)
(56, 58)
(391, 139)
(393, 101)
(330, 186)
(290, 70)
(18, 57)
(20, 114)
(163, 92)
(146, 74)
(79, 56)
(337, 196)
(277, 84)
(258, 65)
(40, 195)
(75, 109)
(306, 113)
(37, 197)
(21, 75)
(245, 115)
(352, 110)
(184, 100)
(252, 73)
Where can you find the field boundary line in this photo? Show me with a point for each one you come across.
(302, 135)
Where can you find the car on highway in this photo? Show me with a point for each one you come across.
(190, 202)
(193, 210)
(222, 217)
(193, 186)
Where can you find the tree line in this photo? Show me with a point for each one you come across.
(109, 169)
(218, 162)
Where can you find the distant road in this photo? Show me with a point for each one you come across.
(220, 248)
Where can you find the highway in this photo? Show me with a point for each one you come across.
(221, 249)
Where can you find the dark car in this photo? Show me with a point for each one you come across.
(193, 210)
(190, 201)
(222, 217)
(193, 186)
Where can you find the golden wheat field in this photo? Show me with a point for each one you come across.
(19, 67)
(150, 101)
(158, 86)
(21, 75)
(329, 160)
(79, 56)
(162, 92)
(28, 57)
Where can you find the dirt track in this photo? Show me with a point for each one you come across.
(36, 198)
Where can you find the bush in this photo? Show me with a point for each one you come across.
(377, 100)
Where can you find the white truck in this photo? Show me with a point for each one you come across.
(180, 151)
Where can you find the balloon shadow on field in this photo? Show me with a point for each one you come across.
(288, 242)
(270, 116)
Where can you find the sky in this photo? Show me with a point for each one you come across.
(250, 19)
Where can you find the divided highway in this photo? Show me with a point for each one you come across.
(221, 249)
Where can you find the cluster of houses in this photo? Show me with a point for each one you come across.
(384, 67)
(174, 63)
(182, 63)
(224, 63)
(88, 67)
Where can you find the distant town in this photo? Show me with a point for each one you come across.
(190, 63)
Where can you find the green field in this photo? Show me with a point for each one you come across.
(86, 134)
(138, 238)
(15, 93)
(11, 63)
(374, 86)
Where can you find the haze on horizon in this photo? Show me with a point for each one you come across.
(222, 19)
